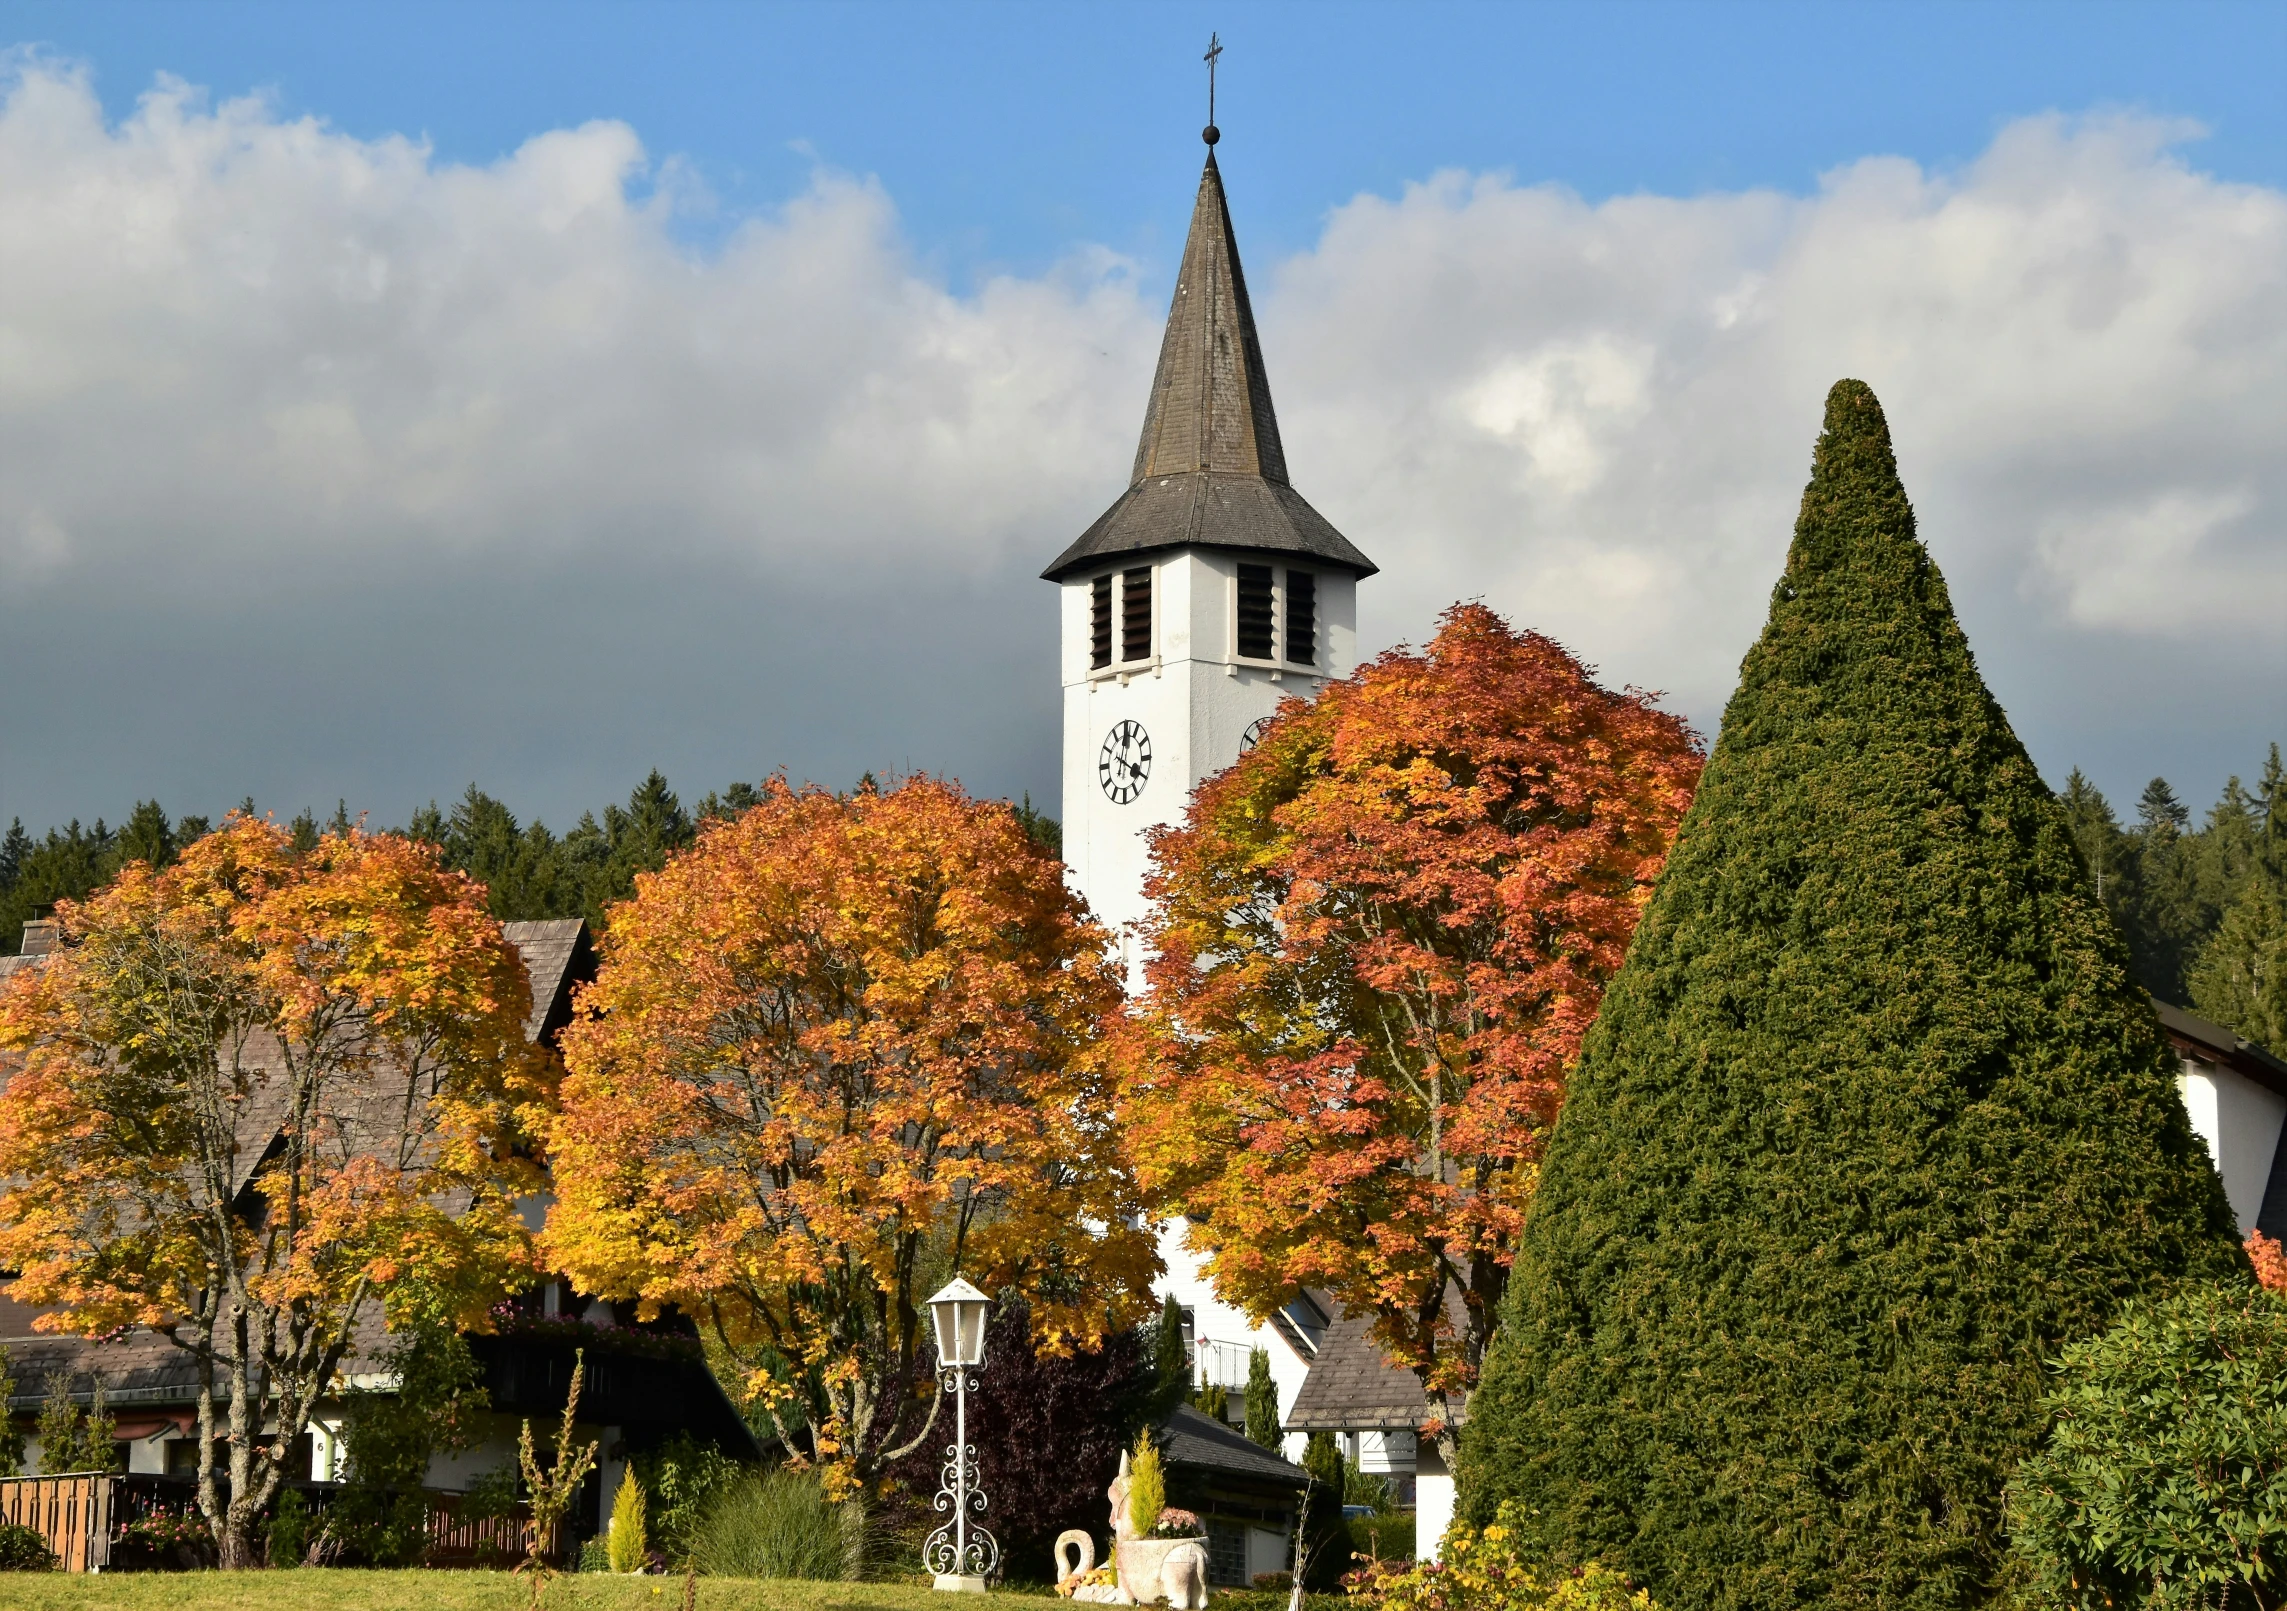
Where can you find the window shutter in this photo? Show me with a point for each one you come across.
(1135, 614)
(1255, 612)
(1301, 618)
(1100, 622)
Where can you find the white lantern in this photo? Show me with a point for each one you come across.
(960, 1314)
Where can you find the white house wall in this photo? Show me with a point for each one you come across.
(2241, 1122)
(1215, 1322)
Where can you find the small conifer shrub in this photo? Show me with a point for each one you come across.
(629, 1544)
(1872, 1123)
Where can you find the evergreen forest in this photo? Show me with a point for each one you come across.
(528, 870)
(2203, 906)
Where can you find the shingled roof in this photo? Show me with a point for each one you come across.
(1210, 468)
(1199, 1442)
(1351, 1388)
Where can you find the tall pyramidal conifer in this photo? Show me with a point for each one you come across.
(1873, 1120)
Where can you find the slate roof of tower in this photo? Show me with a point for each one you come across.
(1210, 468)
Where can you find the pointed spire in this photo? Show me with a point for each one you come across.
(1211, 400)
(1210, 468)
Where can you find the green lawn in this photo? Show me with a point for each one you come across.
(457, 1591)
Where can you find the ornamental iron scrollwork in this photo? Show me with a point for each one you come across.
(960, 1547)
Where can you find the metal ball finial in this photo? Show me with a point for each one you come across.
(1210, 134)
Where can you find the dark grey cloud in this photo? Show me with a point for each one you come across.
(331, 471)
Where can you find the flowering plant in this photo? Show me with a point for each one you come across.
(1494, 1570)
(1174, 1523)
(1103, 1577)
(165, 1529)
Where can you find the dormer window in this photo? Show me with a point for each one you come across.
(1100, 623)
(1135, 614)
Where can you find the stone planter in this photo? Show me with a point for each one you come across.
(1143, 1566)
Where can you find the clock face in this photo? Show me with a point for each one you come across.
(1254, 733)
(1124, 765)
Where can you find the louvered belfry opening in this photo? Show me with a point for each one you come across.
(1100, 623)
(1301, 618)
(1135, 614)
(1256, 612)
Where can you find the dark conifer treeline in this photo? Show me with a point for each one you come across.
(530, 871)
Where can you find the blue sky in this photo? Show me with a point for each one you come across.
(593, 387)
(1007, 133)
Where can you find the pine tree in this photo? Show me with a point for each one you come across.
(1874, 1120)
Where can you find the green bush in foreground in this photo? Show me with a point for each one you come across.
(1873, 1121)
(24, 1549)
(780, 1524)
(2164, 1479)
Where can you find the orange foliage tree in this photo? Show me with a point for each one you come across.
(839, 1049)
(1379, 938)
(253, 1095)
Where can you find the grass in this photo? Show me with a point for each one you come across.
(347, 1590)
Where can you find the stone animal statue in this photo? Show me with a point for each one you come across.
(1149, 1569)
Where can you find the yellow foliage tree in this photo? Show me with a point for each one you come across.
(254, 1095)
(842, 1047)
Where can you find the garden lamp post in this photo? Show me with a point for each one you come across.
(961, 1554)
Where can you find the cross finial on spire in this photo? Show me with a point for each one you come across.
(1214, 49)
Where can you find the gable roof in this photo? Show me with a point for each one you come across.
(1210, 468)
(1351, 1388)
(1201, 1443)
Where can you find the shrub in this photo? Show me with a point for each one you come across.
(1049, 1431)
(680, 1479)
(289, 1539)
(2164, 1478)
(595, 1555)
(1498, 1569)
(781, 1524)
(629, 1544)
(1147, 1487)
(1262, 1400)
(1873, 1120)
(25, 1549)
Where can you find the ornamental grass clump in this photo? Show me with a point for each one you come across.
(2164, 1478)
(1497, 1569)
(781, 1524)
(1873, 1122)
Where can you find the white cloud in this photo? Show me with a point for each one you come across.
(236, 348)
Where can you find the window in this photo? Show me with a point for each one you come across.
(1255, 612)
(1301, 618)
(1135, 614)
(1100, 622)
(1227, 1554)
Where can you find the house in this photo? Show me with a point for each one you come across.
(1246, 1494)
(2236, 1094)
(1221, 1338)
(643, 1382)
(1373, 1408)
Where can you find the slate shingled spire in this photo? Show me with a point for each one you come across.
(1210, 468)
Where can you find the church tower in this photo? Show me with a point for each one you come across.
(1205, 595)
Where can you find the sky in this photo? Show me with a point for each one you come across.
(396, 397)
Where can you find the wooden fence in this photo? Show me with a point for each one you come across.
(72, 1513)
(82, 1516)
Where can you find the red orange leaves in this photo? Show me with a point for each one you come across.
(1380, 937)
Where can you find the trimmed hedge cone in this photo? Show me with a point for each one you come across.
(1872, 1123)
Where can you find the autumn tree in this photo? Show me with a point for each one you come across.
(253, 1096)
(1379, 937)
(837, 1050)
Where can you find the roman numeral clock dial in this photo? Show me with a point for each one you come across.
(1123, 766)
